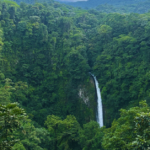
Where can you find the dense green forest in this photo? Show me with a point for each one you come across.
(109, 6)
(94, 3)
(47, 97)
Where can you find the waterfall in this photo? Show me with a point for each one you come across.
(99, 103)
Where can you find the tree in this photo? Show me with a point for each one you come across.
(31, 137)
(18, 146)
(10, 116)
(5, 91)
(130, 131)
(90, 137)
(19, 92)
(65, 132)
(1, 43)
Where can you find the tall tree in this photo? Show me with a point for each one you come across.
(130, 131)
(10, 117)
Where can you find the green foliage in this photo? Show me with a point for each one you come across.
(10, 2)
(50, 57)
(10, 116)
(130, 131)
(1, 43)
(64, 132)
(47, 50)
(20, 92)
(31, 137)
(52, 47)
(90, 136)
(5, 91)
(18, 146)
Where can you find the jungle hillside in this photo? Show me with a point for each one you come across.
(47, 96)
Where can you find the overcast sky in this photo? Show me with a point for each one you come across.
(72, 0)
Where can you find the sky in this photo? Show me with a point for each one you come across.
(72, 0)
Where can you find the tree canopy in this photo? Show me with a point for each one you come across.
(47, 50)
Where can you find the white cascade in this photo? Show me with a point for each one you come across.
(99, 103)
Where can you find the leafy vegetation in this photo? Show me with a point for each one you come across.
(130, 131)
(10, 115)
(109, 6)
(46, 52)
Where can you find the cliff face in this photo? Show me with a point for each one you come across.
(83, 95)
(87, 95)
